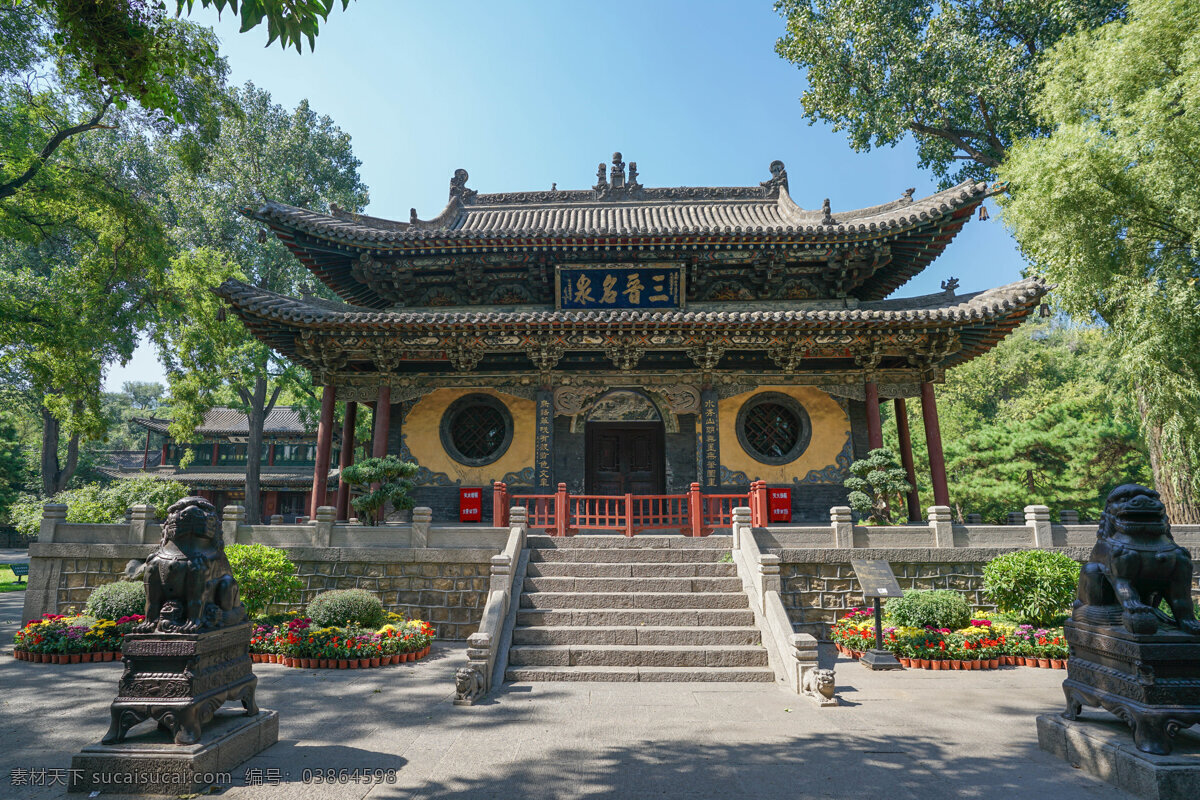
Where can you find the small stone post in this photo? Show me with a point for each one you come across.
(1068, 517)
(1037, 519)
(518, 517)
(52, 514)
(500, 573)
(422, 519)
(768, 577)
(140, 517)
(276, 519)
(740, 525)
(974, 519)
(232, 518)
(842, 522)
(940, 526)
(323, 533)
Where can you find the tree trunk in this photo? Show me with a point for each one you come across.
(55, 475)
(259, 406)
(1170, 476)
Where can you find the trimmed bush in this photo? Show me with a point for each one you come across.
(265, 575)
(116, 600)
(940, 608)
(346, 606)
(1035, 586)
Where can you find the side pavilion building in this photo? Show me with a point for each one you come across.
(624, 339)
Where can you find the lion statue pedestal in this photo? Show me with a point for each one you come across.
(188, 658)
(1126, 655)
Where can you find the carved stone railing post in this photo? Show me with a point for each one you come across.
(940, 526)
(1068, 517)
(741, 525)
(422, 519)
(471, 681)
(232, 518)
(326, 516)
(500, 573)
(1037, 518)
(768, 575)
(52, 514)
(842, 522)
(518, 517)
(140, 517)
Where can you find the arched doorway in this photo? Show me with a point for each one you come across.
(624, 450)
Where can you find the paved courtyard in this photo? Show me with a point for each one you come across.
(913, 734)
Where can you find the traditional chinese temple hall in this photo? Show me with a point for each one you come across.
(622, 339)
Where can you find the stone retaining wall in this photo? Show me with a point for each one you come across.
(819, 585)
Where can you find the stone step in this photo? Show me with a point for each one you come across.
(647, 636)
(577, 569)
(642, 674)
(639, 542)
(627, 555)
(619, 600)
(653, 617)
(578, 584)
(609, 655)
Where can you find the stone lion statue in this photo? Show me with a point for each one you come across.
(189, 584)
(1135, 565)
(468, 685)
(819, 683)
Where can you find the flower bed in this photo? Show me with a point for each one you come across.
(983, 645)
(298, 643)
(59, 639)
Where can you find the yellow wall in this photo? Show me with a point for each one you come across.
(423, 423)
(830, 431)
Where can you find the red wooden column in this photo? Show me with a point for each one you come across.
(345, 458)
(906, 458)
(383, 422)
(324, 446)
(933, 440)
(146, 452)
(874, 424)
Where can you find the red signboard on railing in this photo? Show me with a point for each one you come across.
(470, 505)
(780, 504)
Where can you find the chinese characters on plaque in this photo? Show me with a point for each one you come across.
(543, 440)
(649, 286)
(709, 438)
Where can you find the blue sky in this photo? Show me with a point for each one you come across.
(529, 92)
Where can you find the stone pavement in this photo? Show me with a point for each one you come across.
(912, 734)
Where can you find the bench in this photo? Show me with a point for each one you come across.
(19, 570)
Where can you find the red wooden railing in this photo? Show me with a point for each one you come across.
(692, 514)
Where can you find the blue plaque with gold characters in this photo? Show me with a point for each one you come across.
(647, 286)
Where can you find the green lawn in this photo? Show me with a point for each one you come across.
(8, 581)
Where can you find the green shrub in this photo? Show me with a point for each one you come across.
(94, 503)
(394, 487)
(116, 600)
(1035, 586)
(930, 609)
(264, 574)
(342, 606)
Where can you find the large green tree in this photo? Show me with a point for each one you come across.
(956, 75)
(295, 157)
(1107, 206)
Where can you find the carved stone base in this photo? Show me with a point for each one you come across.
(1101, 746)
(880, 660)
(151, 763)
(1150, 681)
(180, 680)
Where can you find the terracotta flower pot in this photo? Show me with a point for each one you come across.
(1044, 663)
(425, 652)
(1058, 663)
(76, 658)
(375, 661)
(256, 657)
(341, 663)
(993, 663)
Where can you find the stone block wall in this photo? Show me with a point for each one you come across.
(447, 587)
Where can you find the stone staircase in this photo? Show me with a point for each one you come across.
(646, 608)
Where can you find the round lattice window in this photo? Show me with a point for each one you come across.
(773, 428)
(476, 429)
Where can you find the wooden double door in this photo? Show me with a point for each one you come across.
(624, 458)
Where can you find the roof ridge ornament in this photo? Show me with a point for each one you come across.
(778, 178)
(613, 185)
(827, 214)
(458, 186)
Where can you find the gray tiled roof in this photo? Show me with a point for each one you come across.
(650, 212)
(941, 307)
(225, 421)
